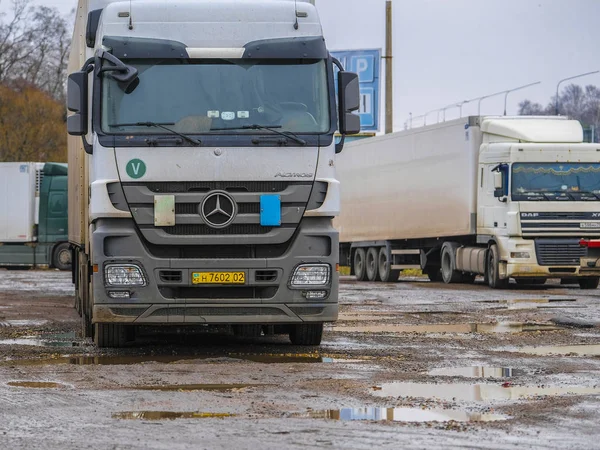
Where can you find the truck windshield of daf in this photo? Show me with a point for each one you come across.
(555, 182)
(204, 188)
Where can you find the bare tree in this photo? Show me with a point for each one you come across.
(34, 48)
(528, 108)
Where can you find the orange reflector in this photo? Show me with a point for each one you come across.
(337, 267)
(95, 268)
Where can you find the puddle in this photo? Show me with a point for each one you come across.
(36, 384)
(476, 392)
(196, 387)
(474, 372)
(168, 415)
(367, 316)
(87, 360)
(401, 415)
(504, 327)
(48, 340)
(515, 301)
(580, 350)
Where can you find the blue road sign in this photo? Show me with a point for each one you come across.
(367, 64)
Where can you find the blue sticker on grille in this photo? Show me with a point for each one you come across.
(270, 210)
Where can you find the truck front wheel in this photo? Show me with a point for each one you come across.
(110, 335)
(493, 269)
(61, 256)
(306, 334)
(360, 264)
(589, 283)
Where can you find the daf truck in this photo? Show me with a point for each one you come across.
(203, 167)
(33, 215)
(501, 197)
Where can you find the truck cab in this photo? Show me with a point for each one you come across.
(538, 197)
(203, 133)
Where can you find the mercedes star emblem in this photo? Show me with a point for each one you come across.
(218, 209)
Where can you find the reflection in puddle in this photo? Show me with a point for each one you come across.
(474, 372)
(588, 350)
(475, 392)
(168, 415)
(36, 384)
(24, 323)
(401, 415)
(195, 387)
(48, 340)
(87, 360)
(504, 327)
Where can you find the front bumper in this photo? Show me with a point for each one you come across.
(173, 299)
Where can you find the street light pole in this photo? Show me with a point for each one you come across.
(567, 79)
(389, 70)
(517, 89)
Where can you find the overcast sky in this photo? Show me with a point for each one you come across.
(446, 51)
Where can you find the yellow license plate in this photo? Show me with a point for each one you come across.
(219, 278)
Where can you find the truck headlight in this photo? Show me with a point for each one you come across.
(311, 275)
(519, 255)
(124, 275)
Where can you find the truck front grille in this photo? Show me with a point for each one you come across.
(559, 252)
(187, 230)
(171, 187)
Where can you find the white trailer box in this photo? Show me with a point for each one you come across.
(410, 185)
(19, 197)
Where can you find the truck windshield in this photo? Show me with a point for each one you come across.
(556, 182)
(215, 96)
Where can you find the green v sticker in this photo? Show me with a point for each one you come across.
(136, 168)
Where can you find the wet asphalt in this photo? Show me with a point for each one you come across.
(411, 364)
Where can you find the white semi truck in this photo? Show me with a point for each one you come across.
(203, 182)
(502, 197)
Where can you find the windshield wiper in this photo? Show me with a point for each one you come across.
(272, 129)
(161, 126)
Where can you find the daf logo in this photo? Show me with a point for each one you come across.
(218, 209)
(596, 215)
(530, 215)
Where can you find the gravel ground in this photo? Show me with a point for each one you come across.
(409, 365)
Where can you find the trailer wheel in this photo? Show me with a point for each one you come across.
(61, 256)
(449, 274)
(589, 283)
(306, 334)
(360, 264)
(493, 270)
(110, 335)
(386, 274)
(372, 265)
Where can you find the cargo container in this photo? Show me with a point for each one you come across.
(33, 215)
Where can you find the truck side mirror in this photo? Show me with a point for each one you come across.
(499, 177)
(77, 96)
(349, 100)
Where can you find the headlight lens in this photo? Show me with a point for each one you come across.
(124, 275)
(519, 255)
(311, 275)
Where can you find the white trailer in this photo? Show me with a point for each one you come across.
(20, 184)
(502, 197)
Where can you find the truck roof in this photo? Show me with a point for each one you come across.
(207, 23)
(549, 129)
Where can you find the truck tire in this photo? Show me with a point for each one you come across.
(493, 271)
(110, 335)
(372, 265)
(306, 334)
(360, 264)
(247, 331)
(61, 256)
(386, 274)
(589, 283)
(449, 274)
